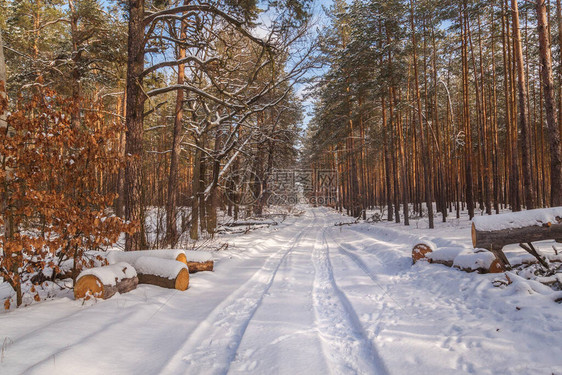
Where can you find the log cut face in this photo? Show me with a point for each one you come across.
(181, 258)
(421, 250)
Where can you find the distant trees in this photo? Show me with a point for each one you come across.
(455, 104)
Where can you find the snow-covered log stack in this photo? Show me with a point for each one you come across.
(494, 232)
(132, 256)
(104, 282)
(199, 261)
(468, 260)
(166, 273)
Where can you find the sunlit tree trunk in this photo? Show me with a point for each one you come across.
(523, 113)
(547, 82)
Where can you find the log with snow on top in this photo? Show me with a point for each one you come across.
(465, 259)
(495, 232)
(104, 282)
(479, 260)
(445, 255)
(165, 273)
(199, 261)
(132, 256)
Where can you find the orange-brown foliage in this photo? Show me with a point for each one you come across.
(49, 176)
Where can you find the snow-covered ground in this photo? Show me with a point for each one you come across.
(303, 297)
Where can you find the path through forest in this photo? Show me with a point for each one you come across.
(303, 297)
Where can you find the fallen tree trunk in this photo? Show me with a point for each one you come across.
(445, 256)
(104, 282)
(481, 261)
(198, 261)
(495, 232)
(165, 273)
(468, 260)
(195, 267)
(132, 256)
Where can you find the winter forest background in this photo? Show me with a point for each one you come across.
(117, 112)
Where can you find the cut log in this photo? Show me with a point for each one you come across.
(495, 232)
(481, 261)
(199, 261)
(421, 250)
(165, 273)
(195, 267)
(104, 282)
(468, 260)
(445, 256)
(132, 256)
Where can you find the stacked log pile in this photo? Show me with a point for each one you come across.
(163, 268)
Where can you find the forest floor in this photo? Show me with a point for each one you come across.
(305, 296)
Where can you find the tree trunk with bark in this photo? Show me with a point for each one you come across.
(547, 82)
(171, 202)
(523, 112)
(134, 123)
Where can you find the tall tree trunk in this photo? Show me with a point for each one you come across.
(485, 133)
(523, 112)
(134, 123)
(559, 19)
(423, 140)
(466, 116)
(171, 202)
(548, 88)
(387, 167)
(195, 187)
(495, 167)
(5, 211)
(120, 201)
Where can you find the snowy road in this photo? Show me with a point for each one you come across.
(305, 297)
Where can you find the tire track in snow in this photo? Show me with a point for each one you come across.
(360, 263)
(212, 346)
(347, 346)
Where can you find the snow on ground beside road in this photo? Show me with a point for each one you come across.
(303, 297)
